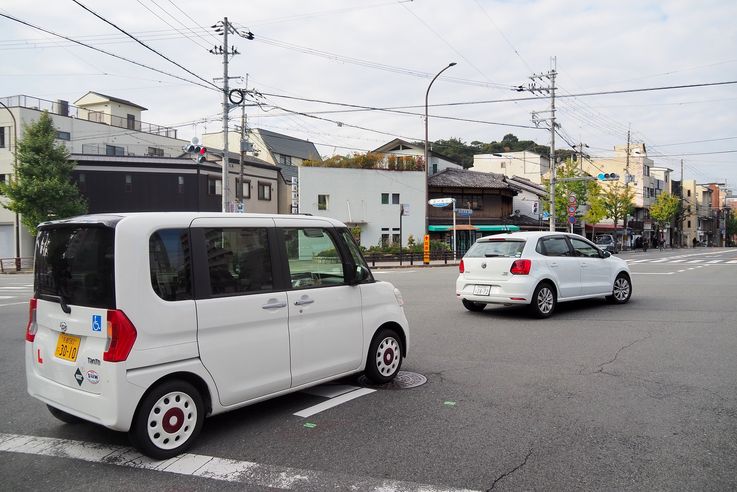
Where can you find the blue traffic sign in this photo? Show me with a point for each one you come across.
(572, 219)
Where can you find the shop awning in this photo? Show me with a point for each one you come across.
(477, 227)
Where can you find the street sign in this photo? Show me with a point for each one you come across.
(572, 198)
(572, 210)
(546, 215)
(464, 212)
(441, 202)
(405, 209)
(426, 250)
(572, 219)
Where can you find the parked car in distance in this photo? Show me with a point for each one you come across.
(539, 269)
(147, 323)
(607, 242)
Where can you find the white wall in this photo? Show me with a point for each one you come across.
(523, 164)
(355, 197)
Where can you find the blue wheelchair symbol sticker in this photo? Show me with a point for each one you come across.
(96, 322)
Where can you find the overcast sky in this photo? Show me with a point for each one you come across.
(383, 54)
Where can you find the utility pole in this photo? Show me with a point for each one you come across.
(683, 209)
(532, 87)
(224, 28)
(626, 184)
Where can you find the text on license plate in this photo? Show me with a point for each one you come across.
(481, 290)
(67, 347)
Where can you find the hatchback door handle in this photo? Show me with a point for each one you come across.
(554, 264)
(304, 300)
(274, 304)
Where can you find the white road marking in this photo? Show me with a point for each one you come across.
(13, 287)
(660, 261)
(7, 297)
(248, 473)
(640, 261)
(13, 304)
(333, 402)
(714, 261)
(681, 271)
(694, 261)
(653, 273)
(677, 261)
(732, 261)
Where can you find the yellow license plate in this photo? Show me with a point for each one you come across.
(67, 347)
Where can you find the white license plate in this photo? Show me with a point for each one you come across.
(481, 290)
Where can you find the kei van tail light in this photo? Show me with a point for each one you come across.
(521, 267)
(32, 326)
(121, 335)
(461, 267)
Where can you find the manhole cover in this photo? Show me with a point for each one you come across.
(404, 380)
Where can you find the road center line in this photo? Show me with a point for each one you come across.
(333, 402)
(248, 473)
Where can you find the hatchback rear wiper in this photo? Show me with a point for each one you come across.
(492, 255)
(60, 299)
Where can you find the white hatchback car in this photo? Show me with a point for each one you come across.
(539, 269)
(146, 323)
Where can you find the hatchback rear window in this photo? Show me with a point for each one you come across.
(76, 263)
(507, 248)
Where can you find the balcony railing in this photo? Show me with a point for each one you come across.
(63, 108)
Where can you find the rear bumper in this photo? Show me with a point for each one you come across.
(108, 408)
(514, 291)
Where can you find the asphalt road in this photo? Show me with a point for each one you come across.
(634, 397)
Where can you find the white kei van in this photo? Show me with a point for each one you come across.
(146, 323)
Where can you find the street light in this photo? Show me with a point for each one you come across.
(427, 160)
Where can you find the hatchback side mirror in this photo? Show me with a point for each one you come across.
(358, 274)
(605, 254)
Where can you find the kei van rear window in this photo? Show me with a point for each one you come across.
(76, 263)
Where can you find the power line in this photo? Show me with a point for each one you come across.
(145, 45)
(105, 52)
(168, 23)
(695, 141)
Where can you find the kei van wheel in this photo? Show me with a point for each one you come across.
(473, 306)
(67, 418)
(384, 357)
(621, 291)
(168, 420)
(544, 300)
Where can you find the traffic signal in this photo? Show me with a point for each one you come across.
(198, 150)
(608, 177)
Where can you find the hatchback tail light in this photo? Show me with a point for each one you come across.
(32, 326)
(121, 335)
(461, 267)
(521, 267)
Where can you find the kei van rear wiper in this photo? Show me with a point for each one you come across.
(60, 299)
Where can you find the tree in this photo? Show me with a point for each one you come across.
(582, 188)
(731, 227)
(665, 209)
(617, 201)
(596, 210)
(42, 188)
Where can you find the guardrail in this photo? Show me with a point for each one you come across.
(12, 265)
(410, 258)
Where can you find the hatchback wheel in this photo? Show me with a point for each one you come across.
(621, 291)
(473, 306)
(543, 300)
(168, 420)
(384, 357)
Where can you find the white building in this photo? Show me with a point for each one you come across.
(367, 198)
(529, 198)
(96, 125)
(527, 165)
(438, 162)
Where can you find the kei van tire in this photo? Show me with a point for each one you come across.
(168, 420)
(384, 356)
(67, 418)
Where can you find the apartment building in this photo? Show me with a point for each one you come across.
(528, 165)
